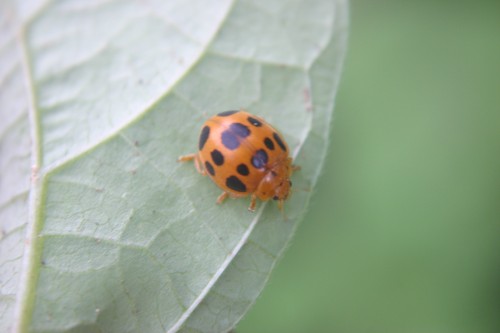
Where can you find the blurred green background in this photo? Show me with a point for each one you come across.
(403, 232)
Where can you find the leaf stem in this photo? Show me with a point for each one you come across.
(32, 256)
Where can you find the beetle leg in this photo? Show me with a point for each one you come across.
(282, 210)
(196, 159)
(253, 201)
(185, 158)
(223, 196)
(280, 205)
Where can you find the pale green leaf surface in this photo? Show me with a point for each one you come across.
(14, 167)
(112, 234)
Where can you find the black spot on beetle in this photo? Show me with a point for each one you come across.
(269, 143)
(229, 140)
(209, 168)
(255, 122)
(259, 159)
(275, 197)
(205, 132)
(235, 184)
(217, 157)
(243, 169)
(279, 141)
(239, 129)
(227, 113)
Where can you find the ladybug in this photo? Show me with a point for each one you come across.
(244, 155)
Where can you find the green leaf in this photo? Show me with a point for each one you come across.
(101, 229)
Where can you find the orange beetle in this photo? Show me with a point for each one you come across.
(244, 155)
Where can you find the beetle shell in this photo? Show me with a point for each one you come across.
(244, 155)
